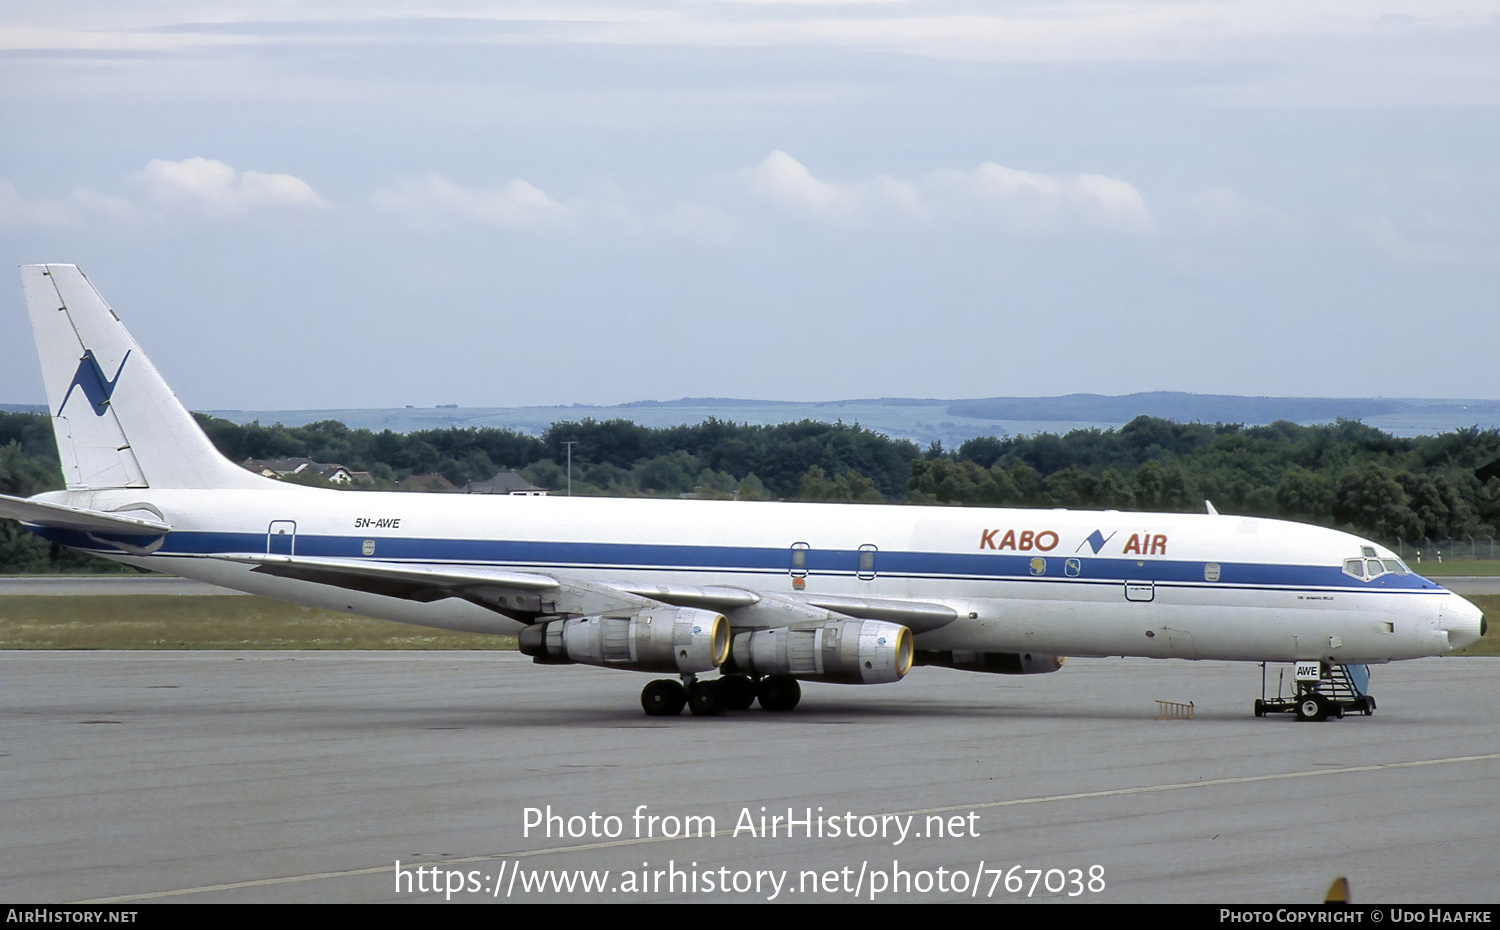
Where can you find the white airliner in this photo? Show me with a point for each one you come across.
(764, 594)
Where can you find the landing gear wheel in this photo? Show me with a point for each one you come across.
(736, 692)
(663, 698)
(779, 692)
(703, 699)
(1311, 707)
(1260, 707)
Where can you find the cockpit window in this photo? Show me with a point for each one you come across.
(1367, 551)
(1367, 569)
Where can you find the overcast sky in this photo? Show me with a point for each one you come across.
(304, 205)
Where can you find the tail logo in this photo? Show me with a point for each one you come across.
(90, 377)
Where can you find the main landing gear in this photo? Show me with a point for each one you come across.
(666, 697)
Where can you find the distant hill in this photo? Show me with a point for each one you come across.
(926, 419)
(1216, 408)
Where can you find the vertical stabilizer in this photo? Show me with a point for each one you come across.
(117, 423)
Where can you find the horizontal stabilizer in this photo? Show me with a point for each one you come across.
(61, 516)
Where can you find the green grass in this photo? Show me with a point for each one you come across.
(1489, 643)
(165, 621)
(1457, 567)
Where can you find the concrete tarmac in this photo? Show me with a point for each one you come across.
(305, 777)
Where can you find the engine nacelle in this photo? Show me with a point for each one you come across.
(851, 652)
(1001, 663)
(656, 639)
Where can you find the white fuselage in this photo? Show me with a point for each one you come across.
(1057, 582)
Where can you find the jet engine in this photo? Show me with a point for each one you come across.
(1002, 663)
(853, 652)
(679, 640)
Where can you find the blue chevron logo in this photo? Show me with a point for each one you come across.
(90, 377)
(1096, 541)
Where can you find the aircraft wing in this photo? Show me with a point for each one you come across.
(919, 616)
(359, 575)
(520, 595)
(524, 594)
(510, 593)
(61, 516)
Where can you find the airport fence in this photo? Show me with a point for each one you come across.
(1446, 548)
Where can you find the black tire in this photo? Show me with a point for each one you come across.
(736, 692)
(703, 699)
(779, 692)
(1260, 707)
(663, 698)
(1311, 707)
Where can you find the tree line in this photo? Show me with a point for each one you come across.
(1345, 475)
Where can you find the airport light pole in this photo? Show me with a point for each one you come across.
(570, 446)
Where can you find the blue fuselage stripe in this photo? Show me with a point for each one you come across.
(888, 563)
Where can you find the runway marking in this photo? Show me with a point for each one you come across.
(1209, 783)
(315, 876)
(585, 847)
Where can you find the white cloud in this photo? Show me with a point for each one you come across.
(85, 208)
(435, 201)
(787, 182)
(1021, 202)
(785, 179)
(211, 188)
(1030, 203)
(193, 187)
(1063, 30)
(1225, 210)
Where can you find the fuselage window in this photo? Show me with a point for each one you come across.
(866, 562)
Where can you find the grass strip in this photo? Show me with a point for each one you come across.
(1433, 569)
(165, 621)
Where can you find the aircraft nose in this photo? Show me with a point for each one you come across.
(1463, 621)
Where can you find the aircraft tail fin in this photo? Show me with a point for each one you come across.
(117, 423)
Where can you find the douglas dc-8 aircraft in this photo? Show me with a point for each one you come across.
(764, 594)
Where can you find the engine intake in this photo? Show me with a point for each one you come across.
(657, 639)
(853, 652)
